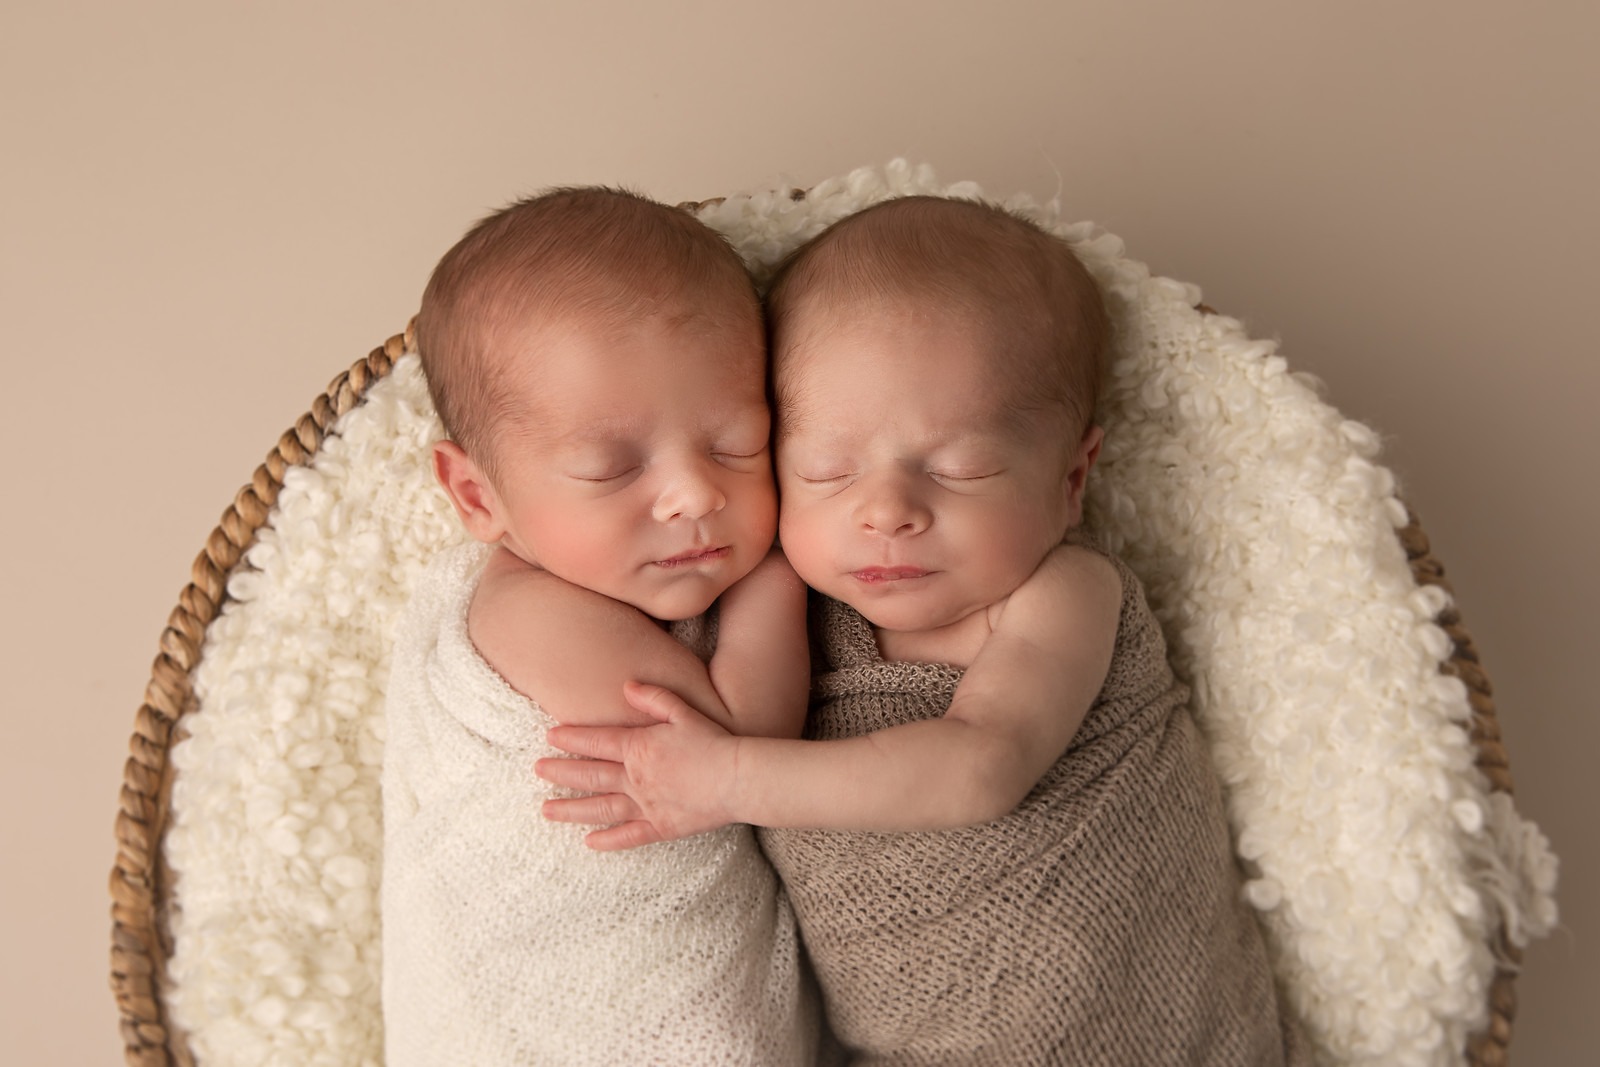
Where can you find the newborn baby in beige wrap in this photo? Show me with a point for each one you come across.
(1003, 838)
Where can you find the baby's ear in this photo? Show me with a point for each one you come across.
(469, 490)
(1080, 464)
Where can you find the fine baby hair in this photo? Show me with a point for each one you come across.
(976, 259)
(591, 254)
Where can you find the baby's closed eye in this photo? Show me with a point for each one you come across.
(603, 474)
(824, 477)
(963, 475)
(739, 459)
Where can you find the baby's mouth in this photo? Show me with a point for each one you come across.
(693, 556)
(879, 575)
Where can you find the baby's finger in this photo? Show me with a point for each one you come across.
(606, 809)
(656, 701)
(590, 776)
(628, 835)
(596, 742)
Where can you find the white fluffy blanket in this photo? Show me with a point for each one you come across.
(1258, 519)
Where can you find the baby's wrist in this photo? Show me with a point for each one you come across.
(734, 773)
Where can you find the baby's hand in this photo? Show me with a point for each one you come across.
(652, 783)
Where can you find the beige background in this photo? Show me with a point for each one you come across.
(210, 209)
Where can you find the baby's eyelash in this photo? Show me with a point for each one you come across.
(600, 479)
(740, 462)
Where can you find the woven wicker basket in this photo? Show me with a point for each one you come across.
(141, 883)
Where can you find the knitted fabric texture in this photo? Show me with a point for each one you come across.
(1100, 923)
(506, 941)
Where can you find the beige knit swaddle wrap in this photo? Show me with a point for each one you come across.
(508, 942)
(1100, 923)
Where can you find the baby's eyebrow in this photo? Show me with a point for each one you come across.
(788, 423)
(571, 437)
(584, 432)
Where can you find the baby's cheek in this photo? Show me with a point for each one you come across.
(758, 505)
(1016, 551)
(588, 550)
(802, 531)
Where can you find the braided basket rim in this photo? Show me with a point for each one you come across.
(140, 882)
(141, 941)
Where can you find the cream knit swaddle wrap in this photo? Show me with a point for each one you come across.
(507, 941)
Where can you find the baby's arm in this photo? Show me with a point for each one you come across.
(762, 665)
(1013, 715)
(572, 649)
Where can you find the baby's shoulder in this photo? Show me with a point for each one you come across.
(518, 612)
(506, 580)
(1070, 575)
(1072, 596)
(1075, 593)
(511, 593)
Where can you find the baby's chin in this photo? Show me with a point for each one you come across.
(905, 618)
(684, 601)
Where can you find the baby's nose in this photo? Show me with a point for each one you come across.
(891, 508)
(691, 492)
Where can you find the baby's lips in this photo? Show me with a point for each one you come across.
(695, 555)
(888, 574)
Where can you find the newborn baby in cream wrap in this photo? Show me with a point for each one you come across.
(598, 361)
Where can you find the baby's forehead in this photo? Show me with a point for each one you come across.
(917, 345)
(922, 414)
(518, 337)
(574, 363)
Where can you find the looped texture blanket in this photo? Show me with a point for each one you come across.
(1258, 518)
